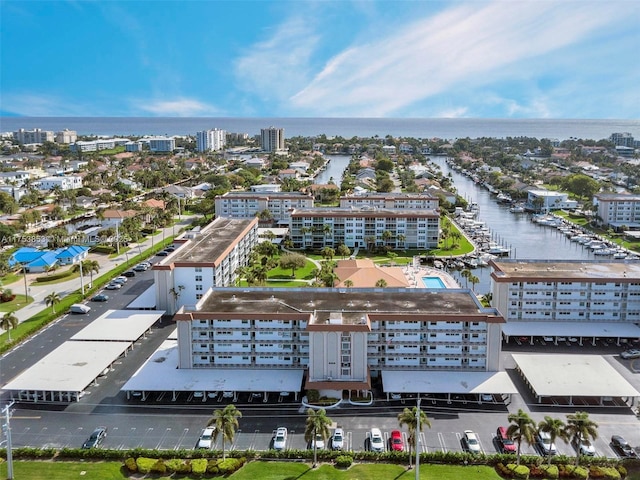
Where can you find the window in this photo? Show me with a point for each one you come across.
(198, 278)
(198, 296)
(198, 269)
(198, 288)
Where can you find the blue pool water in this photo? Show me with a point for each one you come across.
(433, 282)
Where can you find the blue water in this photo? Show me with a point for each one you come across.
(446, 128)
(433, 282)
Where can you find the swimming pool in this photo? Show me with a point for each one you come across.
(433, 282)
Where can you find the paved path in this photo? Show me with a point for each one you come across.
(106, 264)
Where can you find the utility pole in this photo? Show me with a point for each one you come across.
(81, 279)
(417, 440)
(7, 432)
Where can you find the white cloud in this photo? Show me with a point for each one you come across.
(272, 69)
(179, 107)
(465, 47)
(42, 105)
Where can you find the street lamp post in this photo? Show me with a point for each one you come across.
(26, 290)
(417, 438)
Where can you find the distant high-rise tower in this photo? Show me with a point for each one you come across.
(211, 140)
(272, 139)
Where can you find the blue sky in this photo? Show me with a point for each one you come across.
(475, 59)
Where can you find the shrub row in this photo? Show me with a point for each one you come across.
(196, 466)
(53, 277)
(601, 467)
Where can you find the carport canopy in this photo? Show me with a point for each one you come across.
(119, 325)
(571, 329)
(160, 374)
(447, 382)
(145, 301)
(69, 368)
(560, 375)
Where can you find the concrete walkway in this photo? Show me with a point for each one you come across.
(63, 289)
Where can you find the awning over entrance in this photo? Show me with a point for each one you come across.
(447, 382)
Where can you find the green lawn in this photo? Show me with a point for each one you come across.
(300, 273)
(254, 470)
(15, 304)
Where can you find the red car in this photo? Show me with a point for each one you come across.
(397, 444)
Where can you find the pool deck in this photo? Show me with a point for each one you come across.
(414, 276)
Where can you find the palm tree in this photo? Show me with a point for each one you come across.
(580, 427)
(521, 427)
(51, 300)
(409, 417)
(555, 427)
(348, 283)
(401, 237)
(226, 422)
(466, 274)
(9, 321)
(317, 424)
(327, 253)
(87, 267)
(382, 283)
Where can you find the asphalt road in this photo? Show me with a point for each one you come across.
(163, 424)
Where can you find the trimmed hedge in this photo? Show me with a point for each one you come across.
(344, 461)
(607, 473)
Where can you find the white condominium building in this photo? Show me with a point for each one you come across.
(211, 140)
(364, 227)
(272, 139)
(391, 200)
(161, 144)
(341, 339)
(36, 135)
(567, 298)
(250, 204)
(618, 210)
(204, 259)
(66, 136)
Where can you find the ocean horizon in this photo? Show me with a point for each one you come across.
(424, 128)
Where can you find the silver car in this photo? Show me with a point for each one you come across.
(337, 439)
(280, 439)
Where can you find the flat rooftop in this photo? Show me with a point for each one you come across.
(364, 211)
(573, 375)
(210, 243)
(119, 326)
(351, 303)
(589, 271)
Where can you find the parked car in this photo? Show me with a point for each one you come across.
(101, 297)
(546, 445)
(583, 447)
(162, 253)
(633, 353)
(121, 279)
(206, 439)
(280, 439)
(471, 439)
(140, 268)
(622, 447)
(506, 444)
(96, 438)
(129, 274)
(79, 308)
(318, 441)
(170, 248)
(397, 444)
(376, 440)
(113, 286)
(337, 439)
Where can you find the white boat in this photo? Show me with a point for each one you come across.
(517, 209)
(619, 255)
(603, 251)
(498, 250)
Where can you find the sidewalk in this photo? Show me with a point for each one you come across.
(106, 264)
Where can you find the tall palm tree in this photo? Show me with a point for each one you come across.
(9, 321)
(88, 267)
(348, 283)
(225, 421)
(409, 417)
(51, 300)
(555, 427)
(580, 427)
(317, 424)
(521, 427)
(382, 283)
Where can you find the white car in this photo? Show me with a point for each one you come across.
(122, 280)
(583, 447)
(471, 439)
(280, 439)
(318, 442)
(206, 439)
(545, 444)
(337, 440)
(376, 440)
(633, 353)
